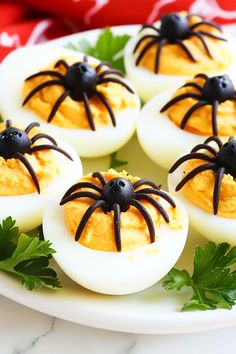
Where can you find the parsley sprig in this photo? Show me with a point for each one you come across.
(115, 162)
(26, 257)
(108, 47)
(213, 282)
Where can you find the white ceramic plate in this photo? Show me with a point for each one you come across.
(151, 311)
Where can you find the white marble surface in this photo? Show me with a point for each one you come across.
(24, 331)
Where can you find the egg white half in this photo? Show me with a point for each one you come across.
(114, 273)
(149, 84)
(213, 227)
(26, 61)
(28, 209)
(159, 137)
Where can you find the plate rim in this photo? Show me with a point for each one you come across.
(181, 322)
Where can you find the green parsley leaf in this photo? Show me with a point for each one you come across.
(1, 119)
(27, 257)
(8, 231)
(213, 282)
(115, 162)
(108, 47)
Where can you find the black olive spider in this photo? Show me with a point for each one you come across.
(215, 90)
(221, 162)
(118, 194)
(80, 82)
(15, 143)
(174, 28)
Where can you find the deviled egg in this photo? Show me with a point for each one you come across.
(77, 98)
(205, 181)
(173, 122)
(164, 55)
(114, 233)
(34, 167)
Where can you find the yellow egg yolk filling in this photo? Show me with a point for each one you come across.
(200, 121)
(199, 190)
(72, 114)
(99, 231)
(15, 178)
(174, 61)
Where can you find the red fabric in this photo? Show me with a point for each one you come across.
(34, 21)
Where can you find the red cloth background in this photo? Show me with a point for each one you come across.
(25, 22)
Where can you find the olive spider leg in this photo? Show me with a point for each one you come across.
(155, 204)
(186, 50)
(31, 126)
(158, 54)
(205, 147)
(50, 147)
(159, 193)
(41, 87)
(8, 123)
(211, 35)
(191, 156)
(100, 177)
(82, 185)
(215, 139)
(108, 107)
(190, 112)
(57, 105)
(116, 208)
(143, 211)
(199, 36)
(43, 136)
(109, 72)
(194, 172)
(86, 216)
(180, 98)
(193, 84)
(30, 170)
(214, 117)
(145, 49)
(103, 63)
(143, 181)
(214, 25)
(63, 63)
(117, 81)
(77, 195)
(216, 193)
(202, 76)
(46, 72)
(150, 27)
(140, 41)
(88, 111)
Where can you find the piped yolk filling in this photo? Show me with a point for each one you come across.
(15, 178)
(200, 121)
(174, 61)
(99, 231)
(72, 114)
(199, 190)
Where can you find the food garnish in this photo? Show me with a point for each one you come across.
(221, 162)
(108, 47)
(26, 257)
(15, 143)
(216, 89)
(213, 282)
(115, 163)
(174, 29)
(118, 194)
(80, 82)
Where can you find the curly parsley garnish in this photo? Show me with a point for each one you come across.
(213, 282)
(26, 257)
(108, 47)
